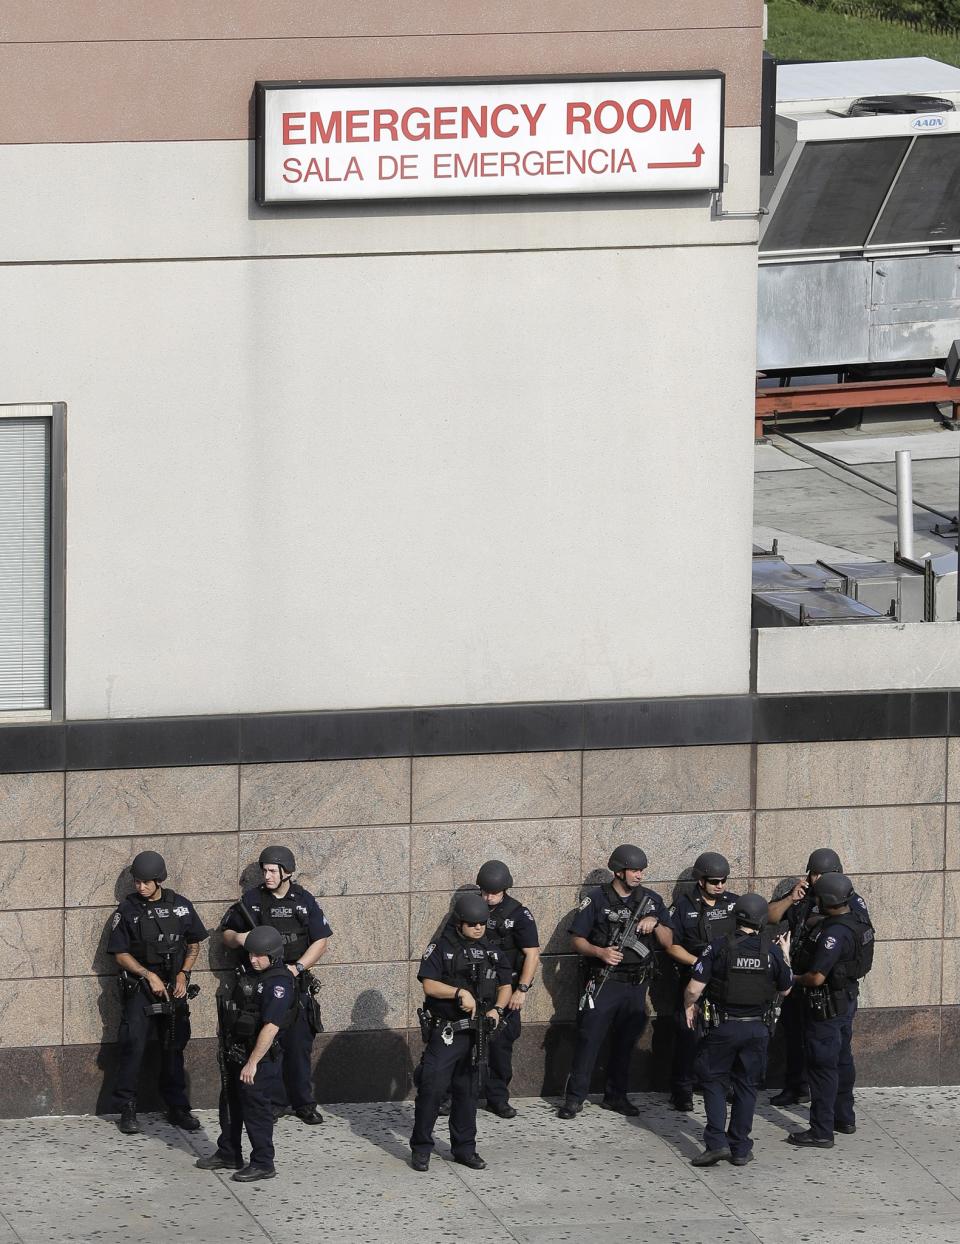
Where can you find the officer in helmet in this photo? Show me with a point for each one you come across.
(615, 995)
(462, 974)
(840, 955)
(802, 913)
(285, 905)
(742, 974)
(513, 931)
(261, 1008)
(155, 937)
(697, 918)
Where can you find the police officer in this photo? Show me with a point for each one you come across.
(155, 938)
(285, 905)
(839, 955)
(513, 931)
(800, 910)
(742, 974)
(616, 989)
(697, 919)
(463, 976)
(263, 1006)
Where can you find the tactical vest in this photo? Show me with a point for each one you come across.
(244, 1005)
(503, 937)
(470, 968)
(712, 923)
(804, 947)
(296, 935)
(741, 977)
(848, 971)
(608, 930)
(157, 941)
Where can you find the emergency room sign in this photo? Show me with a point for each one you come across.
(322, 142)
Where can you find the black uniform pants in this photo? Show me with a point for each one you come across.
(831, 1071)
(684, 1043)
(136, 1027)
(733, 1055)
(295, 1088)
(620, 1008)
(500, 1071)
(446, 1067)
(250, 1106)
(793, 1023)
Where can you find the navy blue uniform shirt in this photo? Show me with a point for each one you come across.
(299, 902)
(831, 943)
(593, 915)
(685, 918)
(276, 997)
(798, 913)
(125, 926)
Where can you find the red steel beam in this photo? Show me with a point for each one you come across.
(857, 395)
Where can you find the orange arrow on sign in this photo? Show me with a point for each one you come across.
(698, 154)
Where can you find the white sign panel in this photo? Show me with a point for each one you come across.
(453, 140)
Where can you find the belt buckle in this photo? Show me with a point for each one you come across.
(446, 1033)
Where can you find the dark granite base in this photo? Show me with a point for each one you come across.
(909, 1046)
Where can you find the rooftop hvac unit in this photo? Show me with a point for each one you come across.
(812, 607)
(877, 584)
(860, 244)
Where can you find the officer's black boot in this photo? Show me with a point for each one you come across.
(127, 1122)
(570, 1108)
(791, 1097)
(181, 1117)
(309, 1114)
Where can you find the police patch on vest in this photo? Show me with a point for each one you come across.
(584, 905)
(508, 924)
(278, 991)
(829, 943)
(430, 949)
(181, 911)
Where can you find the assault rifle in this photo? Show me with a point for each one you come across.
(626, 938)
(480, 1026)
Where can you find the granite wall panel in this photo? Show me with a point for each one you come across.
(198, 866)
(138, 802)
(31, 806)
(868, 840)
(481, 788)
(671, 843)
(322, 793)
(31, 944)
(374, 859)
(666, 779)
(31, 875)
(854, 774)
(31, 1012)
(446, 855)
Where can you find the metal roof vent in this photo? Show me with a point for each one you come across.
(897, 105)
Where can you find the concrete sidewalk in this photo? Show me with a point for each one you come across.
(600, 1177)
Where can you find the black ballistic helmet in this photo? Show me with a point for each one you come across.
(711, 864)
(281, 856)
(494, 876)
(149, 866)
(833, 889)
(470, 908)
(264, 940)
(751, 910)
(824, 860)
(626, 856)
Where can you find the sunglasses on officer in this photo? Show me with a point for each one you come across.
(715, 880)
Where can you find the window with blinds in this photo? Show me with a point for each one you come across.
(25, 527)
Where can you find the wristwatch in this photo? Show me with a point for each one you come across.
(186, 974)
(523, 988)
(299, 966)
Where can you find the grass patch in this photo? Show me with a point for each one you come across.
(795, 31)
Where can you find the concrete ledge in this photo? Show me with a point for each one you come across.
(887, 657)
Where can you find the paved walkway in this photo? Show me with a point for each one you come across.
(599, 1178)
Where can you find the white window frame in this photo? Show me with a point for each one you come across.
(56, 413)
